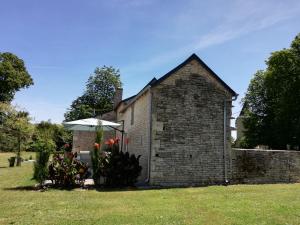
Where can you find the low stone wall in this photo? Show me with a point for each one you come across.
(265, 166)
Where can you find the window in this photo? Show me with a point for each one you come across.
(132, 114)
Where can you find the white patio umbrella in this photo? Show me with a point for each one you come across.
(90, 124)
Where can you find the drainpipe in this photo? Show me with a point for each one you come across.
(150, 136)
(226, 181)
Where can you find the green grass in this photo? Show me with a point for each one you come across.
(236, 204)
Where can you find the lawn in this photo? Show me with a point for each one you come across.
(236, 204)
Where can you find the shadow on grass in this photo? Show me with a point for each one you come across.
(37, 188)
(21, 188)
(138, 188)
(98, 189)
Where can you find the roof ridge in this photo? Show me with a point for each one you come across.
(196, 57)
(154, 81)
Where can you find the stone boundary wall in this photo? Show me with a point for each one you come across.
(253, 166)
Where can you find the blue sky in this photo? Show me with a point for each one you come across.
(62, 42)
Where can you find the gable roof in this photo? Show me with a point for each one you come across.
(188, 60)
(155, 81)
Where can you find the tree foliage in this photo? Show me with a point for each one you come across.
(55, 132)
(273, 101)
(15, 128)
(44, 147)
(13, 76)
(97, 99)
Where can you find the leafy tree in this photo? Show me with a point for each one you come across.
(80, 109)
(255, 111)
(98, 96)
(15, 129)
(13, 76)
(273, 101)
(54, 132)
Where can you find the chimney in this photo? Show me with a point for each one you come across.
(118, 96)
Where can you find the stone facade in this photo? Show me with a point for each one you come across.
(265, 166)
(85, 140)
(188, 129)
(137, 130)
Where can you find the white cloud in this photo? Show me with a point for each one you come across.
(243, 18)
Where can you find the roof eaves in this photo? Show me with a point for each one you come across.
(124, 101)
(135, 97)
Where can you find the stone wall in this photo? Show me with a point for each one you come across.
(85, 140)
(138, 132)
(188, 129)
(265, 166)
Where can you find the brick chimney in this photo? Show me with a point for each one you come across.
(118, 97)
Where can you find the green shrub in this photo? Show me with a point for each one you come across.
(44, 147)
(116, 167)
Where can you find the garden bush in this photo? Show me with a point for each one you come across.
(118, 168)
(66, 171)
(44, 147)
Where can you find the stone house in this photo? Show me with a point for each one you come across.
(180, 125)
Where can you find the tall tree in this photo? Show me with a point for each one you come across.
(255, 111)
(13, 76)
(98, 96)
(273, 101)
(15, 129)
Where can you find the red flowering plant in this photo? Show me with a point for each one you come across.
(95, 155)
(97, 146)
(67, 147)
(67, 171)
